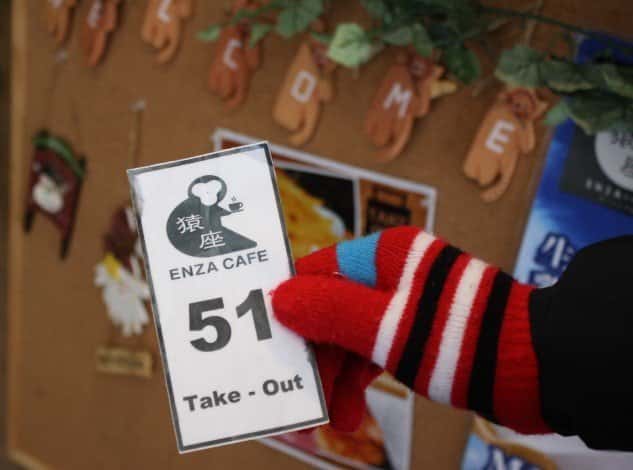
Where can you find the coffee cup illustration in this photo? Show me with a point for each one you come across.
(195, 226)
(236, 206)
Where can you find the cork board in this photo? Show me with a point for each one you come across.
(62, 413)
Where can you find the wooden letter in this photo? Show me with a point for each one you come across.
(58, 18)
(399, 96)
(101, 21)
(404, 94)
(303, 86)
(307, 84)
(227, 57)
(233, 65)
(506, 132)
(390, 119)
(162, 26)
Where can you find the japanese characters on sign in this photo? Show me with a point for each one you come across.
(552, 257)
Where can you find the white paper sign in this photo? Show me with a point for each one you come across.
(215, 245)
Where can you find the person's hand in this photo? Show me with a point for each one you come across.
(436, 318)
(461, 332)
(583, 335)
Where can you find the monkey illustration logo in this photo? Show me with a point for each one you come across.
(195, 226)
(307, 84)
(506, 132)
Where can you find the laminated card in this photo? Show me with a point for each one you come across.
(215, 246)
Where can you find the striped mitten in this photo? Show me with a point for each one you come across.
(447, 325)
(460, 331)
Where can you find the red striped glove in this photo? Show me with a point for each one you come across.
(462, 332)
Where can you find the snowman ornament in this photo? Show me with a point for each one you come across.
(49, 194)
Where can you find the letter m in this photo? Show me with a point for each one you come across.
(398, 96)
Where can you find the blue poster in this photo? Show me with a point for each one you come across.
(585, 195)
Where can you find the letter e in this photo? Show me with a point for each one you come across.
(498, 136)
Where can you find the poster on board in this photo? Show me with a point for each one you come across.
(585, 194)
(325, 202)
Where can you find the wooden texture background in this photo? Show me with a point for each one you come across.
(62, 413)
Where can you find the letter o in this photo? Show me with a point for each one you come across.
(270, 387)
(303, 86)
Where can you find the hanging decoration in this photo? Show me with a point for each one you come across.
(404, 94)
(58, 15)
(163, 24)
(124, 287)
(308, 83)
(597, 95)
(506, 132)
(101, 21)
(120, 275)
(55, 180)
(236, 59)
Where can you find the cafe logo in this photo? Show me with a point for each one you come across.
(195, 226)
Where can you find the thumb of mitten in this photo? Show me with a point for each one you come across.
(339, 316)
(332, 310)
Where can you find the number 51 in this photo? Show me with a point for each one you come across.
(254, 302)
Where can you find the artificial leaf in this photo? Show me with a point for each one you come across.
(212, 33)
(243, 14)
(44, 140)
(297, 16)
(557, 114)
(627, 121)
(618, 79)
(252, 13)
(421, 40)
(563, 77)
(596, 111)
(461, 15)
(520, 66)
(462, 62)
(398, 37)
(446, 7)
(258, 32)
(441, 34)
(350, 45)
(323, 38)
(375, 8)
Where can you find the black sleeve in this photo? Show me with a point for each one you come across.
(582, 330)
